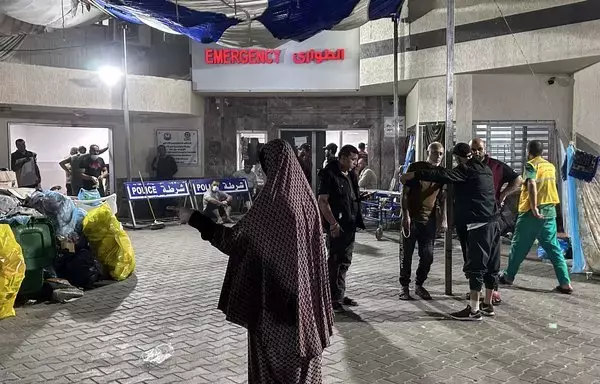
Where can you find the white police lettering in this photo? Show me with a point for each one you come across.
(149, 190)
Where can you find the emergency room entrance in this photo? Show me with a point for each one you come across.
(316, 140)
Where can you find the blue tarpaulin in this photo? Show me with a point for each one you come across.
(573, 217)
(207, 21)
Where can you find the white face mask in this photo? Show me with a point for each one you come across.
(215, 188)
(94, 157)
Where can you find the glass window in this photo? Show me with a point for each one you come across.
(352, 137)
(246, 141)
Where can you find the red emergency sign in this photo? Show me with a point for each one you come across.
(229, 56)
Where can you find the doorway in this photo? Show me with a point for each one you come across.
(316, 140)
(52, 144)
(319, 138)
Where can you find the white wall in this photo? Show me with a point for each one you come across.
(546, 45)
(53, 143)
(522, 98)
(412, 107)
(75, 89)
(586, 103)
(495, 97)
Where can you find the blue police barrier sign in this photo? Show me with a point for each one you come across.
(200, 186)
(157, 189)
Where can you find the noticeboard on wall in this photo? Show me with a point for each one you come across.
(182, 145)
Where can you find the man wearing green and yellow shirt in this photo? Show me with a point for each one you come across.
(537, 219)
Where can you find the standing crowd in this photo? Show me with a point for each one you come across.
(290, 254)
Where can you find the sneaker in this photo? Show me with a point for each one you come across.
(338, 308)
(487, 310)
(405, 294)
(422, 293)
(467, 315)
(502, 280)
(564, 291)
(349, 302)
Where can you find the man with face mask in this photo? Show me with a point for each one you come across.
(475, 208)
(217, 204)
(422, 209)
(75, 165)
(93, 166)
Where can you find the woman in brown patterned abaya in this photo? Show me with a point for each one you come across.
(276, 284)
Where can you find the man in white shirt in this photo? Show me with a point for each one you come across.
(217, 204)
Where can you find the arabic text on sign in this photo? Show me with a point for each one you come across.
(242, 56)
(318, 57)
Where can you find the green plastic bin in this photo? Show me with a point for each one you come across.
(39, 250)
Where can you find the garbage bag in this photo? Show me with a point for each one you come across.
(109, 242)
(65, 217)
(12, 270)
(93, 194)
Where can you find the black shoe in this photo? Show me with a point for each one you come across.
(349, 302)
(405, 294)
(487, 310)
(467, 315)
(564, 291)
(338, 308)
(422, 293)
(502, 280)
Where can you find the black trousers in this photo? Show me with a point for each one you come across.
(423, 234)
(69, 189)
(339, 261)
(482, 262)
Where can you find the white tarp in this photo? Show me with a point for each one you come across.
(51, 13)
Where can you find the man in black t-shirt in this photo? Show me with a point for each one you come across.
(93, 165)
(339, 202)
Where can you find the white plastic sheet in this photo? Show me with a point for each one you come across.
(50, 13)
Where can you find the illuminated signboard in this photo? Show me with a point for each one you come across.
(214, 56)
(327, 62)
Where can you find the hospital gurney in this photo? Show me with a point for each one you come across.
(384, 208)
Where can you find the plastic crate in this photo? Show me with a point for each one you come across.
(39, 250)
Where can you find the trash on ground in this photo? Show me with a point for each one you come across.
(553, 326)
(158, 354)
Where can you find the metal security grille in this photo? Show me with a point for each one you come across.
(507, 140)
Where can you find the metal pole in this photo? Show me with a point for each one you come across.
(126, 108)
(396, 106)
(449, 136)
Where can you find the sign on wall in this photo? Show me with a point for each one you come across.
(389, 126)
(181, 144)
(329, 61)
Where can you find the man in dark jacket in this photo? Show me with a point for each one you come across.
(475, 207)
(339, 202)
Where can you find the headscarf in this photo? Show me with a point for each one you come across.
(277, 273)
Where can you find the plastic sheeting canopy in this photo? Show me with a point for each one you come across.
(267, 23)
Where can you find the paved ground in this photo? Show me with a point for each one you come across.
(172, 299)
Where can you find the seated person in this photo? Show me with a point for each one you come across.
(216, 204)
